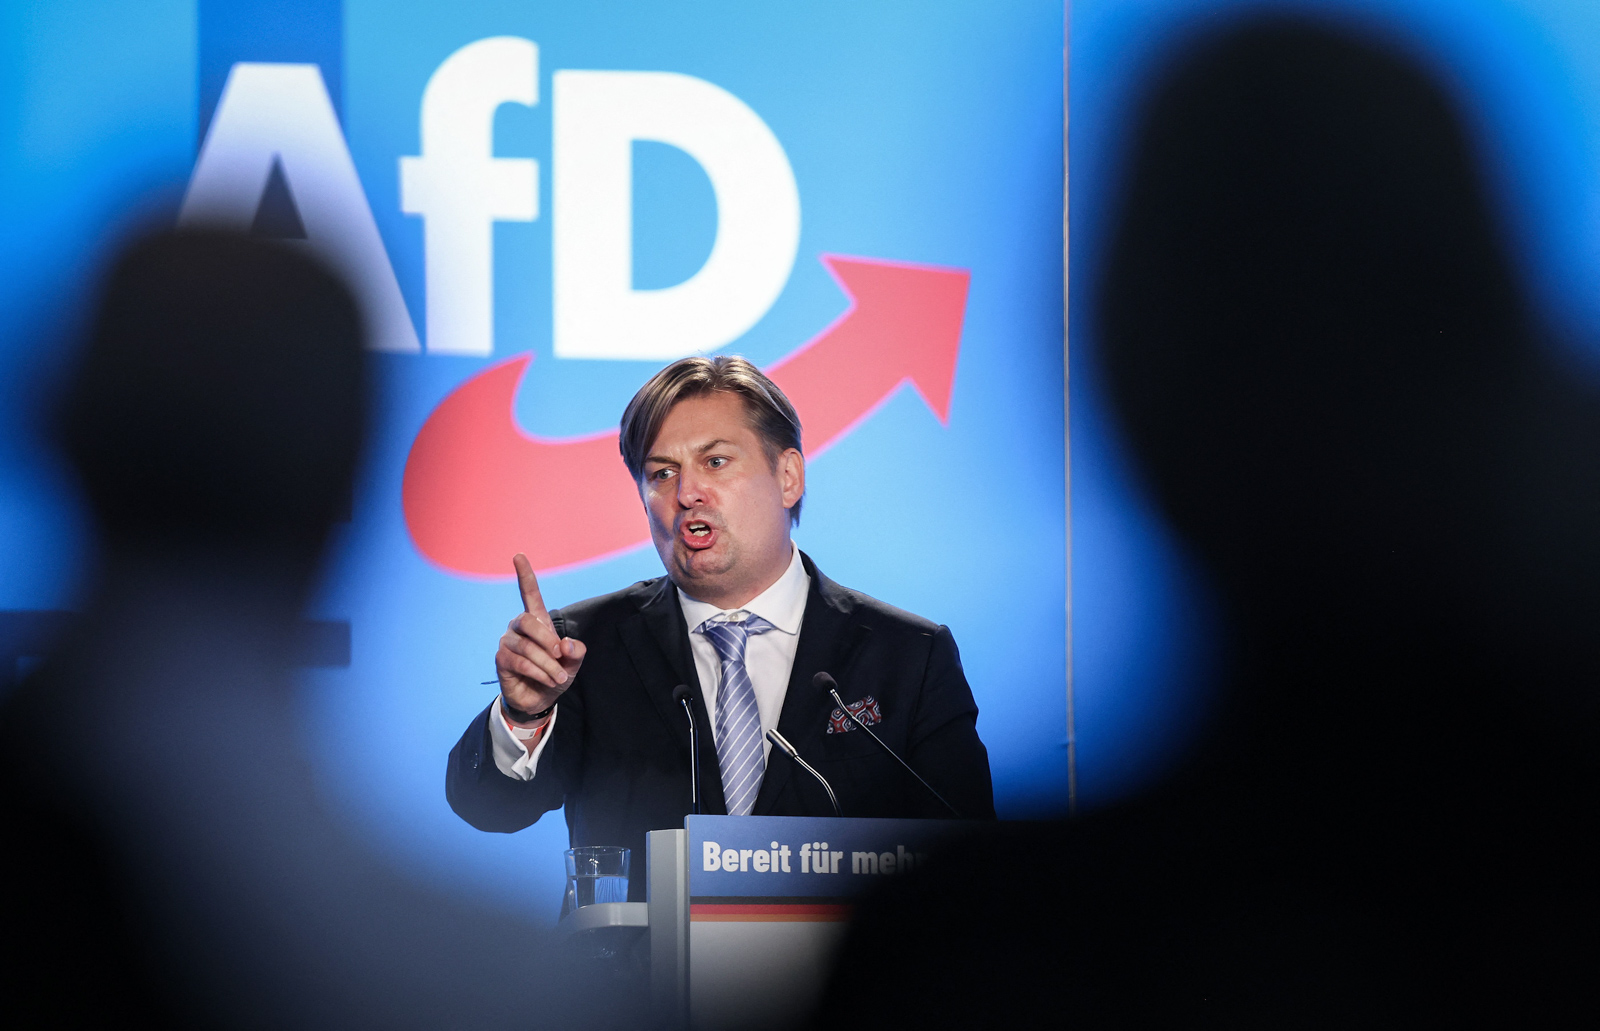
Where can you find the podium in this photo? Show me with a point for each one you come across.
(745, 913)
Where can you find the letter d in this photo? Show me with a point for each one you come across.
(595, 119)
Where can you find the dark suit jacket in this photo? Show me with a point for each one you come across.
(619, 755)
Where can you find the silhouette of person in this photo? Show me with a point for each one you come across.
(169, 857)
(1322, 356)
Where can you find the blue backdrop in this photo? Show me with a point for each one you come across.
(915, 133)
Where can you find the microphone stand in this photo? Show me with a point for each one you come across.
(682, 696)
(786, 748)
(833, 689)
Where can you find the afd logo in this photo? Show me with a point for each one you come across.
(478, 488)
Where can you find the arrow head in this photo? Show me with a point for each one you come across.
(913, 316)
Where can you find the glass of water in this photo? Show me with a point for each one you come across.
(596, 873)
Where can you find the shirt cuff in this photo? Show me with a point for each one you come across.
(510, 757)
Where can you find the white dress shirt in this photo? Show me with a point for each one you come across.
(768, 658)
(510, 756)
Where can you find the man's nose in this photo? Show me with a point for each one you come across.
(691, 491)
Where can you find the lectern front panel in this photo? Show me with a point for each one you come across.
(769, 901)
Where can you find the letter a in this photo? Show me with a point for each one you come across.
(281, 112)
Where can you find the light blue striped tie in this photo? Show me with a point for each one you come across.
(739, 751)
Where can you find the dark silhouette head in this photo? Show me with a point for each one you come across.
(1318, 345)
(1306, 298)
(221, 401)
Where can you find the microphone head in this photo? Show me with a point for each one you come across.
(825, 683)
(783, 743)
(681, 693)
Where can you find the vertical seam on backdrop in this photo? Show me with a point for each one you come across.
(1066, 379)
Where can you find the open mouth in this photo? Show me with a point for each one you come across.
(697, 533)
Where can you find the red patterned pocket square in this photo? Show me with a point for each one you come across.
(867, 709)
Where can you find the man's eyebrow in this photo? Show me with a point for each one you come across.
(702, 449)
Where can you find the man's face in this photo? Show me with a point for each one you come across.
(718, 509)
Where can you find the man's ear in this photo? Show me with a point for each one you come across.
(792, 476)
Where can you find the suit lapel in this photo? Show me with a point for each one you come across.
(659, 632)
(829, 638)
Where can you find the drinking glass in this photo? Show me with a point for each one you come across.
(596, 873)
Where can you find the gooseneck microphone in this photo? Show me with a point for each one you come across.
(786, 748)
(684, 697)
(824, 682)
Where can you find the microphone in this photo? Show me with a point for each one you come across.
(824, 682)
(786, 748)
(682, 695)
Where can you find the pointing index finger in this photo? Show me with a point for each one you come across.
(528, 584)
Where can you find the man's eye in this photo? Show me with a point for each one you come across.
(717, 463)
(661, 474)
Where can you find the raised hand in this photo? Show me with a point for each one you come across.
(535, 665)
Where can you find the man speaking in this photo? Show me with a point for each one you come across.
(586, 715)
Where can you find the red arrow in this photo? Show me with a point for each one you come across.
(478, 489)
(903, 323)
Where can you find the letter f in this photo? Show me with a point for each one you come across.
(461, 189)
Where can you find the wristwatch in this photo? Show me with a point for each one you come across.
(516, 715)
